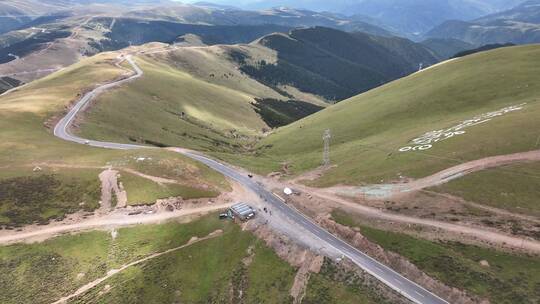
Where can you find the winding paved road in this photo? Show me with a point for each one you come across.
(391, 278)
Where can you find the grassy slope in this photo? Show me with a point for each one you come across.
(335, 64)
(142, 191)
(150, 109)
(214, 64)
(47, 195)
(370, 128)
(26, 142)
(508, 279)
(515, 187)
(41, 273)
(323, 290)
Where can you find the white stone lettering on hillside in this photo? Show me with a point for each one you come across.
(426, 141)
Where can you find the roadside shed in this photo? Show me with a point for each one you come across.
(242, 211)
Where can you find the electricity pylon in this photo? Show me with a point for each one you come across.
(326, 153)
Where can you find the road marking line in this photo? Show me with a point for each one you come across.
(416, 292)
(279, 197)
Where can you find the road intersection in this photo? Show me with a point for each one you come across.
(386, 275)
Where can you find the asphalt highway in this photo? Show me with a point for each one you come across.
(61, 129)
(389, 277)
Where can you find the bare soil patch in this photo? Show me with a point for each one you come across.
(111, 191)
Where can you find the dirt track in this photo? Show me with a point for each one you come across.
(388, 190)
(478, 233)
(470, 167)
(111, 220)
(334, 195)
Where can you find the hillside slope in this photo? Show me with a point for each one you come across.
(55, 42)
(335, 64)
(16, 13)
(446, 48)
(53, 34)
(53, 177)
(168, 107)
(224, 97)
(194, 97)
(373, 133)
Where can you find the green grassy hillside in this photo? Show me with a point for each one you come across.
(234, 267)
(194, 98)
(335, 64)
(27, 142)
(44, 272)
(150, 110)
(514, 187)
(221, 98)
(370, 129)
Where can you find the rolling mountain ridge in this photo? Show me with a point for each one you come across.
(520, 25)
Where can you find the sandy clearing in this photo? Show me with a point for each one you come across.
(113, 272)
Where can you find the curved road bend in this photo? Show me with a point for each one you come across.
(389, 277)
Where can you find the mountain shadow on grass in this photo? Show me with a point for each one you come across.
(484, 48)
(277, 113)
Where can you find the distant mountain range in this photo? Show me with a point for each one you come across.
(61, 32)
(52, 34)
(206, 13)
(410, 18)
(520, 25)
(18, 14)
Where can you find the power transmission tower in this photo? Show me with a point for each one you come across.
(326, 153)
